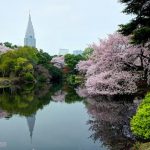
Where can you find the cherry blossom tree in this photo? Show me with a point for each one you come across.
(82, 92)
(58, 61)
(83, 66)
(3, 49)
(115, 66)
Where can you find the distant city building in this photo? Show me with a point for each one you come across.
(77, 52)
(29, 39)
(63, 51)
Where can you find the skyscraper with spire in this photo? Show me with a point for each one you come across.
(29, 39)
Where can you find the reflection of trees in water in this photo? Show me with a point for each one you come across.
(24, 101)
(59, 96)
(82, 91)
(110, 122)
(67, 94)
(3, 114)
(72, 96)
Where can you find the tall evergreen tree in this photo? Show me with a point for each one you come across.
(139, 26)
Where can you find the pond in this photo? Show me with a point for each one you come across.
(57, 118)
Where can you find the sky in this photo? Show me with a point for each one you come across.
(60, 24)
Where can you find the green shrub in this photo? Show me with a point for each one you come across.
(28, 77)
(140, 123)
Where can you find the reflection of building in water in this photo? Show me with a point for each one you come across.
(31, 124)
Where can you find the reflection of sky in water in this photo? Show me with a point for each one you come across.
(59, 126)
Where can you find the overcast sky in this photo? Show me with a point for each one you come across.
(70, 24)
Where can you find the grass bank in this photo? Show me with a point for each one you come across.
(140, 123)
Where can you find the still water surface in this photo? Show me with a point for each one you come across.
(52, 119)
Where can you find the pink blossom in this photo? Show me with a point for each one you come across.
(83, 66)
(82, 91)
(59, 96)
(58, 61)
(113, 66)
(3, 49)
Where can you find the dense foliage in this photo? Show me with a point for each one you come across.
(51, 71)
(139, 27)
(140, 124)
(87, 52)
(72, 76)
(28, 64)
(68, 64)
(72, 60)
(16, 63)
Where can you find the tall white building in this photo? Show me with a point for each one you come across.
(29, 39)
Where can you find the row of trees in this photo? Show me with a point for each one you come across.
(28, 64)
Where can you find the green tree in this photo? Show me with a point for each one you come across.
(10, 45)
(23, 66)
(28, 53)
(7, 44)
(87, 52)
(72, 60)
(139, 26)
(27, 63)
(28, 77)
(7, 66)
(43, 57)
